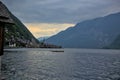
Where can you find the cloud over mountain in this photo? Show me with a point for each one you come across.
(61, 11)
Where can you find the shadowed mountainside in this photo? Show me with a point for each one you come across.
(95, 33)
(115, 44)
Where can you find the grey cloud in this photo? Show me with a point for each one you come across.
(61, 11)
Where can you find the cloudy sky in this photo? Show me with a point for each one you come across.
(48, 17)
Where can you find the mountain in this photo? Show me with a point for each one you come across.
(17, 35)
(115, 44)
(43, 38)
(95, 33)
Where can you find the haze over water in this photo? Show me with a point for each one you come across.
(72, 64)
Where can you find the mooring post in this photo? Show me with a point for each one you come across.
(1, 38)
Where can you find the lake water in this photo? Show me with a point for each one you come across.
(50, 64)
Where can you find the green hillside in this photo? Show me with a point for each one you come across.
(18, 35)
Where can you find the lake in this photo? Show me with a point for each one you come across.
(61, 64)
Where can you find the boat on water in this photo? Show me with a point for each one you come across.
(57, 51)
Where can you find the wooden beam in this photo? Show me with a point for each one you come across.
(1, 38)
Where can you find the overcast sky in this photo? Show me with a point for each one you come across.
(61, 11)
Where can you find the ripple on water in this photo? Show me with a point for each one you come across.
(75, 64)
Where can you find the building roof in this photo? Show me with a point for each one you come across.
(5, 14)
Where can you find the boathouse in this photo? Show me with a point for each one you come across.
(4, 19)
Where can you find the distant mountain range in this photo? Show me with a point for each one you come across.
(43, 38)
(95, 33)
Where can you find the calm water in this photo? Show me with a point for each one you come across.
(72, 64)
